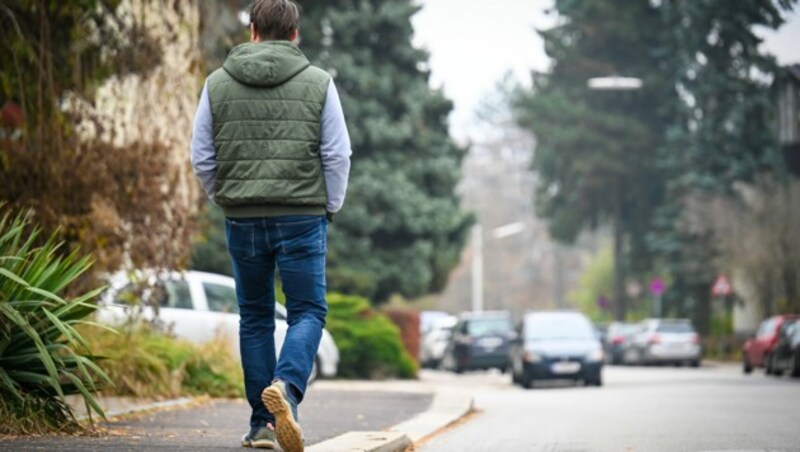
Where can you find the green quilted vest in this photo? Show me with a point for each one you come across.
(266, 105)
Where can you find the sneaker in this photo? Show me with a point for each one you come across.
(261, 438)
(284, 409)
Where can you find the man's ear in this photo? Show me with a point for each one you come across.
(295, 34)
(253, 34)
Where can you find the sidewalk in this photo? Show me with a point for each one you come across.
(332, 416)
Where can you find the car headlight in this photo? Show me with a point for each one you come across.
(531, 357)
(595, 355)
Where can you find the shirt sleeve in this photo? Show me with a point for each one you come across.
(334, 149)
(204, 155)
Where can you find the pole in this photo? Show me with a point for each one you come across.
(619, 278)
(657, 307)
(477, 268)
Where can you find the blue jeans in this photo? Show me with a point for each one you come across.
(296, 245)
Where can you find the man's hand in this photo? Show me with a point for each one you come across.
(329, 216)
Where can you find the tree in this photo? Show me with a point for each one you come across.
(401, 230)
(757, 240)
(721, 128)
(596, 152)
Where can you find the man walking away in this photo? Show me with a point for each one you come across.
(270, 146)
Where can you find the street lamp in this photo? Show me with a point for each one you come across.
(619, 84)
(477, 257)
(615, 83)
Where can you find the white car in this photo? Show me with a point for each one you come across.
(197, 306)
(434, 341)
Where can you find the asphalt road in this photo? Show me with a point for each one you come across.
(220, 424)
(639, 409)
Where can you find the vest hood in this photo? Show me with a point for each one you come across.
(268, 63)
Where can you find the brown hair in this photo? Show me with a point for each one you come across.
(274, 19)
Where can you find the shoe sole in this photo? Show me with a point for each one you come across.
(262, 444)
(290, 437)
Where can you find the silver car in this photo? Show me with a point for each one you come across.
(198, 306)
(664, 341)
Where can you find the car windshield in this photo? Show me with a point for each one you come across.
(167, 294)
(561, 327)
(674, 327)
(485, 327)
(621, 329)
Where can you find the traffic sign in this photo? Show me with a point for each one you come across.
(657, 287)
(721, 288)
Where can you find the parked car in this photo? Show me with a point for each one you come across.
(429, 319)
(757, 351)
(435, 340)
(616, 339)
(786, 357)
(196, 306)
(556, 345)
(480, 340)
(664, 341)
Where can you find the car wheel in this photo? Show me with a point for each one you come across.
(527, 382)
(777, 370)
(769, 365)
(795, 365)
(596, 382)
(639, 357)
(747, 368)
(696, 363)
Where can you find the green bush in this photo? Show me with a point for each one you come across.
(369, 343)
(42, 356)
(146, 362)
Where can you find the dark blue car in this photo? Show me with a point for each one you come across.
(558, 345)
(480, 340)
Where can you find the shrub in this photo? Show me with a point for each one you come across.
(369, 343)
(146, 362)
(42, 356)
(408, 322)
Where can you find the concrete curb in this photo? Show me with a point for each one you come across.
(364, 442)
(448, 406)
(121, 406)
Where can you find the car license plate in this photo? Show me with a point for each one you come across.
(490, 342)
(565, 367)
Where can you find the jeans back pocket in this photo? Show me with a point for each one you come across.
(241, 237)
(303, 238)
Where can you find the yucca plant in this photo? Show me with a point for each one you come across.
(42, 357)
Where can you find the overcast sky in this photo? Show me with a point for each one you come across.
(473, 44)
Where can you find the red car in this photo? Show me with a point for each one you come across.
(757, 350)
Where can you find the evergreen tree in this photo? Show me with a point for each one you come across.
(401, 230)
(702, 122)
(722, 127)
(596, 151)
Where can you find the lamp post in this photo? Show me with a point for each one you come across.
(617, 84)
(477, 257)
